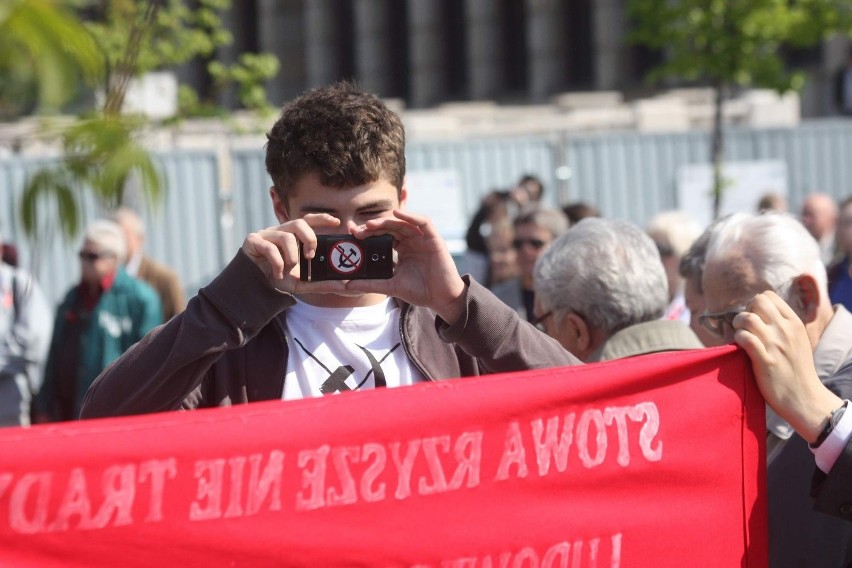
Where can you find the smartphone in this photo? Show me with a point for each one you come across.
(343, 257)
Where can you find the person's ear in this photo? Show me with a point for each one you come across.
(279, 206)
(582, 333)
(403, 193)
(807, 289)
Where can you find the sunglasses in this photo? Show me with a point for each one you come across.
(87, 256)
(715, 322)
(537, 244)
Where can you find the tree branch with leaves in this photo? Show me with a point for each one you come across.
(733, 43)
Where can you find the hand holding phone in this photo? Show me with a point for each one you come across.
(343, 257)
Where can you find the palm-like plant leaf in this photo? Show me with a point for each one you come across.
(55, 46)
(103, 153)
(101, 156)
(50, 185)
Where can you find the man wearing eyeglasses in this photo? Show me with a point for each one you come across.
(601, 291)
(102, 316)
(746, 255)
(775, 339)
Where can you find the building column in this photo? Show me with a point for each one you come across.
(835, 52)
(483, 51)
(239, 19)
(546, 48)
(373, 58)
(426, 27)
(611, 53)
(281, 30)
(320, 43)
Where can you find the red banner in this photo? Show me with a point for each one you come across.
(650, 461)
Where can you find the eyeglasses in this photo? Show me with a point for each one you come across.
(665, 250)
(715, 322)
(87, 256)
(539, 321)
(537, 244)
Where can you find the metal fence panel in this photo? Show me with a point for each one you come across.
(186, 232)
(633, 176)
(183, 231)
(252, 206)
(483, 165)
(818, 156)
(627, 175)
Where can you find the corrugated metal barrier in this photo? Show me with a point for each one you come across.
(199, 225)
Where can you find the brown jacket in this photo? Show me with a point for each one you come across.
(230, 347)
(166, 283)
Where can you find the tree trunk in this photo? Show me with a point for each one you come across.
(125, 70)
(717, 148)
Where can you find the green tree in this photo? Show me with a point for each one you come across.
(733, 43)
(102, 151)
(45, 52)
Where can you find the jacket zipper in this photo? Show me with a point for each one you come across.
(402, 317)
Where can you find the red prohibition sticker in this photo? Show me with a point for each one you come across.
(346, 257)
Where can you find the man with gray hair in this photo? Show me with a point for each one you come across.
(99, 319)
(601, 290)
(746, 255)
(691, 269)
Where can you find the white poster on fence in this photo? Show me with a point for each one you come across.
(438, 195)
(744, 184)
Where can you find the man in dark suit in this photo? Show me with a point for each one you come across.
(160, 277)
(777, 342)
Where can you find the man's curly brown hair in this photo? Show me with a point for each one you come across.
(346, 136)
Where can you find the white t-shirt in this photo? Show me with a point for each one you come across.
(338, 349)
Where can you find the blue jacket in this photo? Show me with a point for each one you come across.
(122, 316)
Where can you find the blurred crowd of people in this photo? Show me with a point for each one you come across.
(595, 288)
(49, 357)
(607, 289)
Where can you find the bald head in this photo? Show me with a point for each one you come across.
(819, 215)
(134, 229)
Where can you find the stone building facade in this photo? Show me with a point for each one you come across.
(428, 52)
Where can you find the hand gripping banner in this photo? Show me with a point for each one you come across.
(651, 461)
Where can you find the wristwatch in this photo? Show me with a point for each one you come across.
(835, 417)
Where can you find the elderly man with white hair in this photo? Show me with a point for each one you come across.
(102, 316)
(601, 290)
(746, 255)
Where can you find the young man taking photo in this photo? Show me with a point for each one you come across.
(258, 332)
